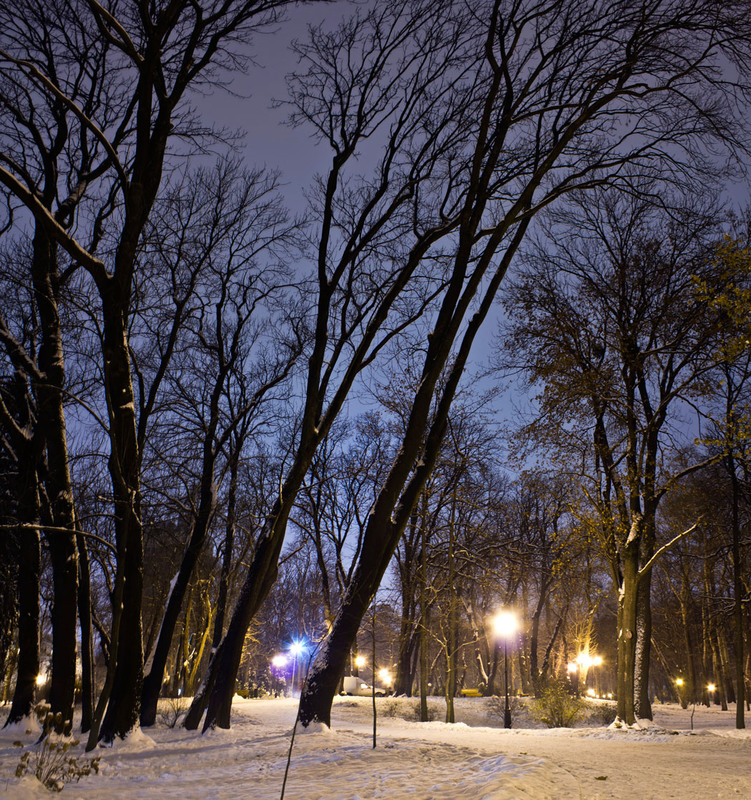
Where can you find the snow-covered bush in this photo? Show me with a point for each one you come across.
(496, 707)
(556, 708)
(51, 761)
(405, 708)
(171, 709)
(601, 713)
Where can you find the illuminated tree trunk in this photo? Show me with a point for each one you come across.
(627, 622)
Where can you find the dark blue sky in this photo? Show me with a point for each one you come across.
(266, 139)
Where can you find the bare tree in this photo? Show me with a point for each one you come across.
(367, 85)
(564, 98)
(612, 306)
(238, 236)
(160, 50)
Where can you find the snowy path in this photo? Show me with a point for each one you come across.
(429, 761)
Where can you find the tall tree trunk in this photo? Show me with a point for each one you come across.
(452, 618)
(689, 694)
(227, 548)
(62, 546)
(643, 655)
(87, 638)
(29, 555)
(627, 621)
(727, 674)
(152, 683)
(124, 702)
(740, 683)
(64, 621)
(424, 626)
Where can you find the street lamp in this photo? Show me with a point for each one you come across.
(279, 662)
(573, 676)
(385, 677)
(585, 661)
(360, 662)
(596, 662)
(505, 625)
(294, 650)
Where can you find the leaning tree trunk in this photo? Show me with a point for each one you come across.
(152, 683)
(227, 548)
(214, 696)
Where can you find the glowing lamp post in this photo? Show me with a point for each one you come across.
(360, 662)
(679, 684)
(385, 677)
(295, 649)
(505, 625)
(279, 662)
(573, 676)
(584, 661)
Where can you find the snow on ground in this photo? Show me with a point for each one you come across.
(474, 758)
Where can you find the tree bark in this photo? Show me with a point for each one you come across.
(152, 683)
(738, 628)
(27, 664)
(643, 654)
(87, 637)
(62, 546)
(124, 703)
(627, 621)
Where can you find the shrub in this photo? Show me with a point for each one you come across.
(172, 709)
(556, 708)
(51, 761)
(432, 711)
(601, 713)
(405, 709)
(390, 708)
(496, 707)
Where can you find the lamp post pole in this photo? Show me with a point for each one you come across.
(507, 710)
(505, 625)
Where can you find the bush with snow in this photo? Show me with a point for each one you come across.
(51, 761)
(556, 708)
